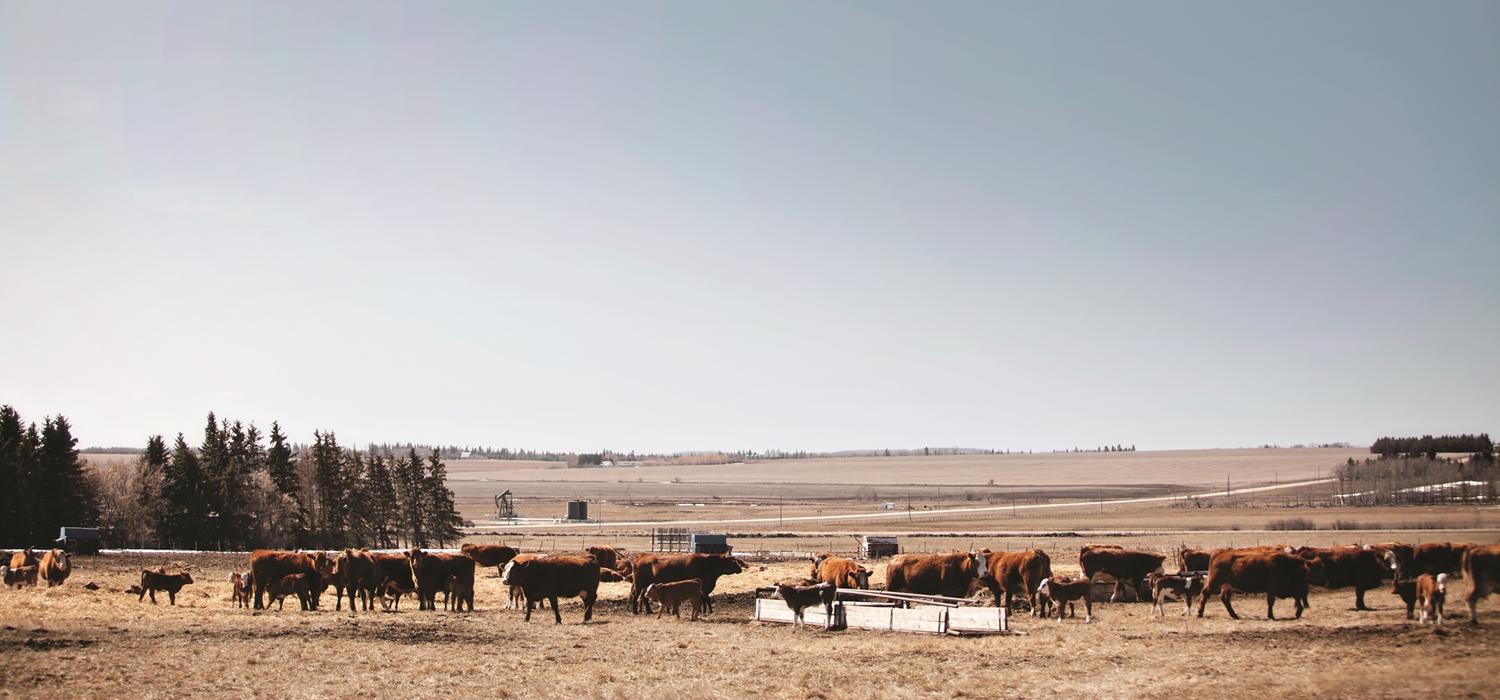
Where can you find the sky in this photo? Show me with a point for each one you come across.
(670, 226)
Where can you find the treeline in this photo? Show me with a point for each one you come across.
(43, 483)
(1430, 446)
(237, 489)
(1416, 480)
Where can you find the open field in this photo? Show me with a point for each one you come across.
(72, 642)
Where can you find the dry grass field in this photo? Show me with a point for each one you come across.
(73, 642)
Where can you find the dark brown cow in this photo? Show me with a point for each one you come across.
(1438, 558)
(290, 584)
(608, 575)
(433, 571)
(1344, 567)
(671, 596)
(1193, 559)
(936, 574)
(1063, 590)
(1396, 557)
(1125, 565)
(159, 580)
(20, 576)
(354, 572)
(550, 578)
(1482, 567)
(841, 572)
(803, 593)
(1017, 572)
(55, 567)
(269, 566)
(459, 591)
(496, 555)
(608, 557)
(393, 568)
(1407, 589)
(1276, 574)
(664, 568)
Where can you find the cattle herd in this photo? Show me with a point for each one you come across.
(1419, 574)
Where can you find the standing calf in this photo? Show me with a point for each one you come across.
(460, 591)
(1431, 591)
(1188, 586)
(803, 593)
(1064, 592)
(289, 584)
(1407, 589)
(20, 576)
(673, 595)
(159, 580)
(240, 585)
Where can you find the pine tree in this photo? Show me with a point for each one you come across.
(332, 498)
(182, 492)
(360, 519)
(60, 489)
(218, 479)
(149, 476)
(380, 494)
(279, 463)
(409, 481)
(13, 471)
(443, 523)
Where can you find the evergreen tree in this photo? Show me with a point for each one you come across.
(380, 495)
(182, 493)
(218, 479)
(409, 489)
(443, 522)
(59, 487)
(279, 463)
(331, 495)
(14, 459)
(150, 473)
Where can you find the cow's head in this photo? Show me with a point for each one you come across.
(1044, 587)
(726, 564)
(981, 564)
(1442, 583)
(510, 566)
(185, 577)
(862, 577)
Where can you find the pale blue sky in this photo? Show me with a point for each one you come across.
(673, 226)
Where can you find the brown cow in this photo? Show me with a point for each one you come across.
(393, 568)
(55, 567)
(555, 577)
(1431, 590)
(1482, 567)
(1407, 589)
(935, 574)
(433, 570)
(841, 572)
(1277, 574)
(517, 596)
(803, 593)
(608, 575)
(1343, 567)
(459, 591)
(288, 585)
(20, 576)
(1017, 572)
(354, 572)
(1438, 558)
(609, 557)
(1396, 556)
(1193, 559)
(652, 568)
(1125, 565)
(240, 584)
(269, 566)
(25, 557)
(496, 555)
(1188, 586)
(160, 580)
(1063, 591)
(672, 595)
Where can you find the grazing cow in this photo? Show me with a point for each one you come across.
(496, 555)
(1438, 558)
(288, 585)
(459, 591)
(550, 578)
(841, 572)
(25, 557)
(433, 571)
(1343, 567)
(269, 566)
(1125, 565)
(1187, 585)
(936, 574)
(672, 595)
(1407, 589)
(20, 576)
(1193, 559)
(652, 568)
(1482, 567)
(55, 567)
(1017, 572)
(160, 580)
(1063, 591)
(609, 557)
(1431, 590)
(354, 572)
(240, 584)
(1276, 574)
(803, 593)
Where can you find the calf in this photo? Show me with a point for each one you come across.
(1065, 591)
(673, 594)
(160, 580)
(1431, 590)
(390, 595)
(20, 576)
(802, 593)
(1407, 589)
(460, 591)
(1187, 585)
(289, 584)
(240, 585)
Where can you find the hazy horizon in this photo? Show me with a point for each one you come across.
(679, 227)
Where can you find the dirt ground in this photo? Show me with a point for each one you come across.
(73, 642)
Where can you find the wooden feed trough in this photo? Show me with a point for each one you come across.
(880, 610)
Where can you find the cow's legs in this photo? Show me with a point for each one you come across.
(1359, 599)
(1270, 605)
(1224, 596)
(588, 605)
(1300, 606)
(1088, 609)
(1203, 600)
(260, 588)
(143, 596)
(556, 614)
